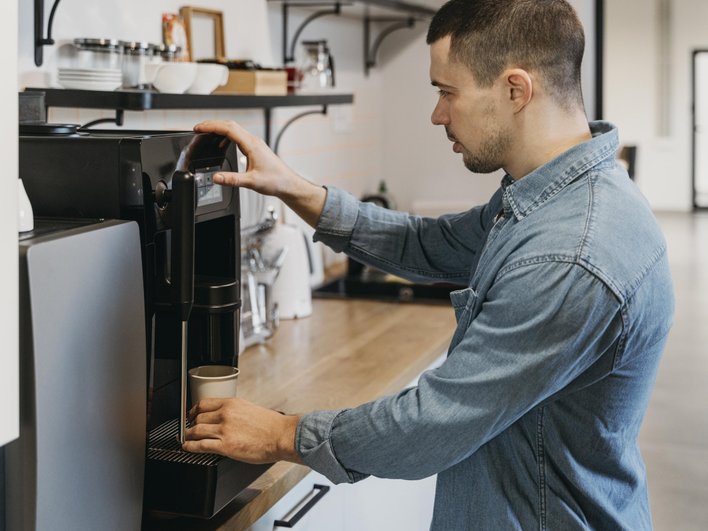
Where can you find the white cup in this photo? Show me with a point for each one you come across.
(171, 77)
(212, 381)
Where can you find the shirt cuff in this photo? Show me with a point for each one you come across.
(314, 445)
(337, 220)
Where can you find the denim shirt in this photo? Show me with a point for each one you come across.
(532, 421)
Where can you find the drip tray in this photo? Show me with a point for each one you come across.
(183, 483)
(392, 291)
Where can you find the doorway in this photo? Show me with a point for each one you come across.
(700, 129)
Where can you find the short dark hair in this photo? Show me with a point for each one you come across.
(543, 36)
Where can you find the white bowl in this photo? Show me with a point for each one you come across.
(209, 76)
(174, 78)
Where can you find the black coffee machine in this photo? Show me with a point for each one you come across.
(190, 238)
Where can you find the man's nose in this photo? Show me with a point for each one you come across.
(439, 116)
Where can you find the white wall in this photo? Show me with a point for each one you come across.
(9, 371)
(631, 92)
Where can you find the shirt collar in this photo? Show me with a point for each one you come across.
(528, 193)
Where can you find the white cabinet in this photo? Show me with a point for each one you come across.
(386, 504)
(307, 507)
(370, 505)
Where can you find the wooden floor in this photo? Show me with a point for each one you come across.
(674, 437)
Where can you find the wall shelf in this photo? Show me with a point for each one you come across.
(397, 15)
(357, 8)
(134, 100)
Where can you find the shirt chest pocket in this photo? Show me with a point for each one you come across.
(464, 302)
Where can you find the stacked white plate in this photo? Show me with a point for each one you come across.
(90, 78)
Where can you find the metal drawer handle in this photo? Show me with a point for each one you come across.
(322, 490)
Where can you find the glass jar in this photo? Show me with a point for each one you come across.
(169, 52)
(135, 56)
(317, 67)
(98, 54)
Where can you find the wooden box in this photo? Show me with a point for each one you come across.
(256, 83)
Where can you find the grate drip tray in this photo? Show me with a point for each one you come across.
(163, 445)
(183, 483)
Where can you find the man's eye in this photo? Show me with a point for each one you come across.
(442, 93)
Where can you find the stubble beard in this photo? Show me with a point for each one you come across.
(489, 157)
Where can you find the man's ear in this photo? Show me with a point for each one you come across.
(519, 87)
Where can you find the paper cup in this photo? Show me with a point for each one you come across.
(212, 381)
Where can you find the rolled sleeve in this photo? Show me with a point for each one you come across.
(337, 219)
(313, 441)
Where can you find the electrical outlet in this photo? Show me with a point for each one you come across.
(342, 119)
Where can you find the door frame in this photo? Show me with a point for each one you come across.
(599, 57)
(694, 192)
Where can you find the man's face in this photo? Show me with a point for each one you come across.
(471, 115)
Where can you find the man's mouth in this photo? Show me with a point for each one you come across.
(456, 146)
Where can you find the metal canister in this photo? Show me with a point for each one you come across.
(135, 56)
(99, 54)
(169, 52)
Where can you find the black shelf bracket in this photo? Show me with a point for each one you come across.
(289, 51)
(118, 120)
(39, 39)
(370, 50)
(322, 111)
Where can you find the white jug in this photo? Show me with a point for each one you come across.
(291, 290)
(25, 214)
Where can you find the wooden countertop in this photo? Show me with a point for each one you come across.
(346, 353)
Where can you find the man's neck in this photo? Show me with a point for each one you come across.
(544, 135)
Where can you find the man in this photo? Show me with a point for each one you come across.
(532, 421)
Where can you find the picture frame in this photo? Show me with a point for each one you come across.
(205, 33)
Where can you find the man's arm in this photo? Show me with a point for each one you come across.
(266, 173)
(413, 247)
(444, 249)
(540, 329)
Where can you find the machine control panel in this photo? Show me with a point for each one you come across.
(208, 193)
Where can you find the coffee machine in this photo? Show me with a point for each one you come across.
(190, 242)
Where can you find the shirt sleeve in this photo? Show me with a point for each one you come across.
(542, 325)
(413, 247)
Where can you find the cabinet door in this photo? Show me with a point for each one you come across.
(314, 504)
(385, 504)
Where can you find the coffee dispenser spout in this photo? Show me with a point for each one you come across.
(183, 205)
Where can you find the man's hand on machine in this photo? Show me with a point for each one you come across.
(238, 429)
(266, 173)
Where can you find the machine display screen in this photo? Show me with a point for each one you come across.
(208, 193)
